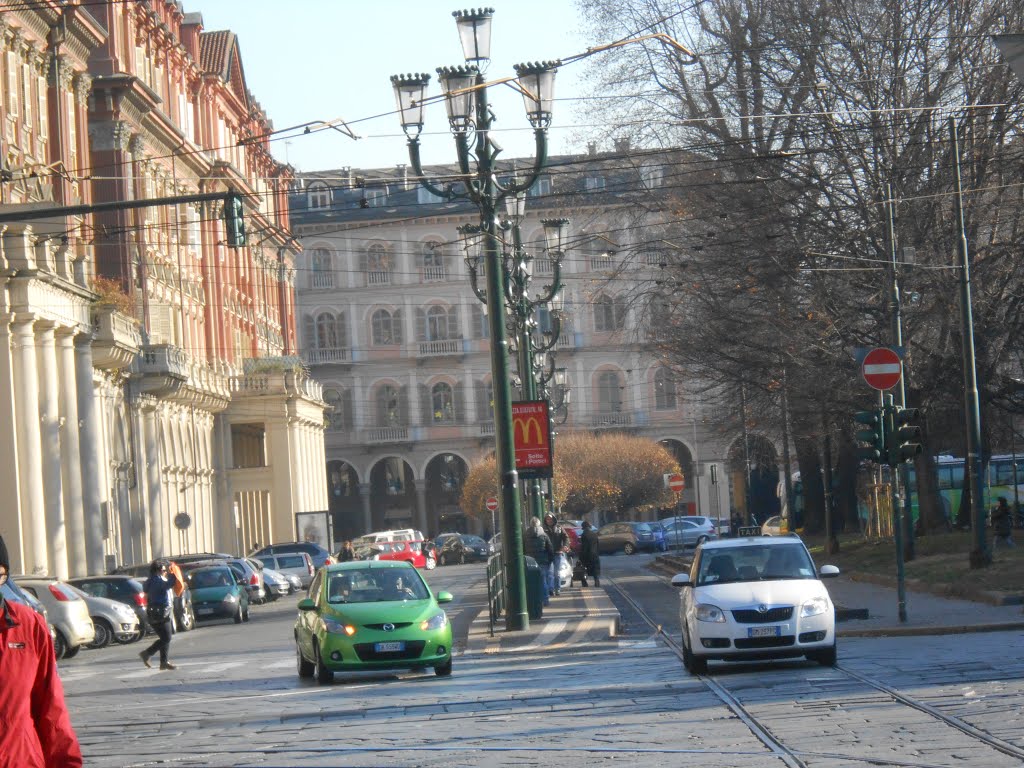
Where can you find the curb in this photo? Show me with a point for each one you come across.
(960, 629)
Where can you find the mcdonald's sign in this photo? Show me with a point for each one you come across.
(531, 434)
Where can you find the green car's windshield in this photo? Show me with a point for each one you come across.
(771, 562)
(372, 585)
(213, 577)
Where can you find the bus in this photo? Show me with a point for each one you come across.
(1004, 476)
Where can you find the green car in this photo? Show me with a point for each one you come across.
(216, 594)
(371, 614)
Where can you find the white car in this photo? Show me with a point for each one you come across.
(755, 598)
(68, 613)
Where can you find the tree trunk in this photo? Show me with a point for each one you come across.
(814, 490)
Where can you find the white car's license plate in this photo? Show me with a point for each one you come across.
(764, 631)
(389, 647)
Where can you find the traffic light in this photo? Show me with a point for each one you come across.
(904, 436)
(873, 436)
(234, 221)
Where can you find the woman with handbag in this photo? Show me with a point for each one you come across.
(158, 611)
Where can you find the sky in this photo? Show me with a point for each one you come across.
(319, 60)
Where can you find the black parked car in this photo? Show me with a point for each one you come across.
(184, 614)
(462, 548)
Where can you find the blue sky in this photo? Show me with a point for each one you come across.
(324, 59)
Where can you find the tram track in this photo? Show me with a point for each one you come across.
(791, 756)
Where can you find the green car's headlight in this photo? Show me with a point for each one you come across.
(229, 598)
(337, 628)
(437, 621)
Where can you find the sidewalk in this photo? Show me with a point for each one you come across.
(578, 616)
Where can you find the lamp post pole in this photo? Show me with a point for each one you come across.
(469, 117)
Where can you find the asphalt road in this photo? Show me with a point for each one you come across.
(236, 700)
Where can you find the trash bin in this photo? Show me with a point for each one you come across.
(534, 589)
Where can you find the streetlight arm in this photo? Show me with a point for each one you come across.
(417, 168)
(556, 331)
(540, 158)
(481, 295)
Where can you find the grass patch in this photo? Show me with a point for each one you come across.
(941, 560)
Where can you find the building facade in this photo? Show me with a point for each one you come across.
(153, 402)
(392, 330)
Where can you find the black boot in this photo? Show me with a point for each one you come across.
(583, 583)
(597, 582)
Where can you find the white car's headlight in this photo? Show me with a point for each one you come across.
(708, 612)
(437, 621)
(813, 607)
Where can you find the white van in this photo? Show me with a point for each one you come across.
(403, 534)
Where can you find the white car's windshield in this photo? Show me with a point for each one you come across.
(764, 563)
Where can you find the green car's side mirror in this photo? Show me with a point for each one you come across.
(444, 597)
(307, 604)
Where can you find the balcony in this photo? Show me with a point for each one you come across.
(162, 368)
(377, 435)
(323, 280)
(487, 427)
(441, 348)
(437, 274)
(566, 340)
(116, 339)
(378, 277)
(612, 420)
(327, 356)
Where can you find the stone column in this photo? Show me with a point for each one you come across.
(154, 494)
(49, 418)
(364, 494)
(30, 452)
(90, 451)
(70, 455)
(421, 506)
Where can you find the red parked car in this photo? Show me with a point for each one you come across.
(412, 552)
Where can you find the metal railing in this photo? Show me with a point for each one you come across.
(495, 588)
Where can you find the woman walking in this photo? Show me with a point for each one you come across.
(158, 611)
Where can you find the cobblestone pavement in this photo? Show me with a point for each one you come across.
(624, 700)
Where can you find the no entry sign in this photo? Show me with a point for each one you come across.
(882, 368)
(676, 483)
(492, 504)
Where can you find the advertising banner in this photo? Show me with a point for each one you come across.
(531, 433)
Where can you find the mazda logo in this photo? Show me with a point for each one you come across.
(388, 627)
(762, 608)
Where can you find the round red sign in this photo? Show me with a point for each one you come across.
(882, 368)
(676, 483)
(492, 504)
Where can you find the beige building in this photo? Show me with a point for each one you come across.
(393, 332)
(151, 399)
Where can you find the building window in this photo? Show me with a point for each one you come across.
(542, 186)
(609, 392)
(330, 331)
(594, 183)
(609, 314)
(432, 261)
(319, 196)
(335, 414)
(386, 328)
(664, 390)
(377, 264)
(323, 268)
(389, 406)
(442, 403)
(437, 324)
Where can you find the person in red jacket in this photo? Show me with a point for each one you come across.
(37, 730)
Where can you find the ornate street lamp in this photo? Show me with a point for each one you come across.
(470, 118)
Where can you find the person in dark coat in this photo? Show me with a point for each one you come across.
(36, 730)
(538, 546)
(590, 554)
(1002, 523)
(158, 611)
(346, 553)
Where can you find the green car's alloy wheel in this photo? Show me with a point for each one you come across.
(323, 674)
(443, 670)
(305, 668)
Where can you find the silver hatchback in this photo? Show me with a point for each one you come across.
(112, 620)
(291, 563)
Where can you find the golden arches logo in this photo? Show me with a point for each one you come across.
(527, 427)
